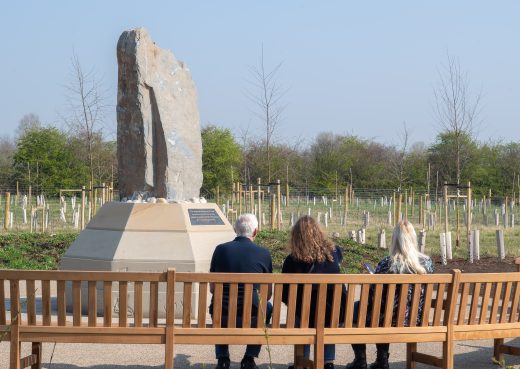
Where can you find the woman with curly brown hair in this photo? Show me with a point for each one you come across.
(312, 252)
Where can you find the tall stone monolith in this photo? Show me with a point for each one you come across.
(159, 145)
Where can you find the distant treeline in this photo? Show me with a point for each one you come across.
(331, 160)
(47, 159)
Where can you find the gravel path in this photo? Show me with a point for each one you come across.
(471, 355)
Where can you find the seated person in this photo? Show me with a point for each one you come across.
(241, 255)
(404, 258)
(312, 252)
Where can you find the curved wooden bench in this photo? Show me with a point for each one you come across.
(457, 307)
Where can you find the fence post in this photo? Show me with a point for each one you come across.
(259, 204)
(422, 240)
(278, 205)
(82, 207)
(381, 239)
(239, 190)
(500, 244)
(442, 240)
(7, 210)
(273, 204)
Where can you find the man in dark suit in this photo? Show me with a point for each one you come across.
(241, 255)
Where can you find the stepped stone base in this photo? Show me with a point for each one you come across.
(144, 238)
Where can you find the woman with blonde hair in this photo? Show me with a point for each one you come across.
(404, 258)
(312, 252)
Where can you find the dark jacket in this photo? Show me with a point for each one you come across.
(240, 256)
(291, 265)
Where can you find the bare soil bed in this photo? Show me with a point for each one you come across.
(487, 264)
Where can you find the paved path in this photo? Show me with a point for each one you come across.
(470, 355)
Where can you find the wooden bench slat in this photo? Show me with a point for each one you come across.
(138, 304)
(62, 303)
(403, 302)
(291, 307)
(277, 304)
(415, 304)
(495, 304)
(203, 305)
(46, 302)
(248, 300)
(76, 275)
(217, 304)
(2, 303)
(363, 304)
(485, 303)
(427, 305)
(232, 306)
(123, 303)
(439, 302)
(463, 303)
(76, 303)
(107, 304)
(154, 304)
(389, 305)
(262, 305)
(186, 304)
(92, 304)
(14, 296)
(514, 305)
(505, 302)
(306, 305)
(474, 303)
(336, 305)
(376, 308)
(349, 308)
(31, 301)
(312, 278)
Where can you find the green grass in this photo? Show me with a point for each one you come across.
(33, 250)
(43, 251)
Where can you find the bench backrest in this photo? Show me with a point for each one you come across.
(488, 298)
(434, 290)
(37, 306)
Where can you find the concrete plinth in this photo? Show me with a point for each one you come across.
(144, 238)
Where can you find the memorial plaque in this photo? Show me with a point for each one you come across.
(204, 217)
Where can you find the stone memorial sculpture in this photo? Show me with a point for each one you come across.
(159, 147)
(163, 223)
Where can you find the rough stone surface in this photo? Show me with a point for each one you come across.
(159, 146)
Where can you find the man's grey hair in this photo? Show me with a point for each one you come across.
(246, 225)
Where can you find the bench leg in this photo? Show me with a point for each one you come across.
(447, 354)
(496, 349)
(37, 350)
(298, 355)
(410, 349)
(169, 349)
(319, 353)
(14, 358)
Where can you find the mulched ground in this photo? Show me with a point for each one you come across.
(488, 264)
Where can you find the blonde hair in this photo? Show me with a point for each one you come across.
(404, 253)
(308, 243)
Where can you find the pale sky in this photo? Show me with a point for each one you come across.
(360, 68)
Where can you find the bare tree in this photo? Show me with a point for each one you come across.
(86, 108)
(456, 108)
(266, 94)
(398, 162)
(27, 123)
(244, 138)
